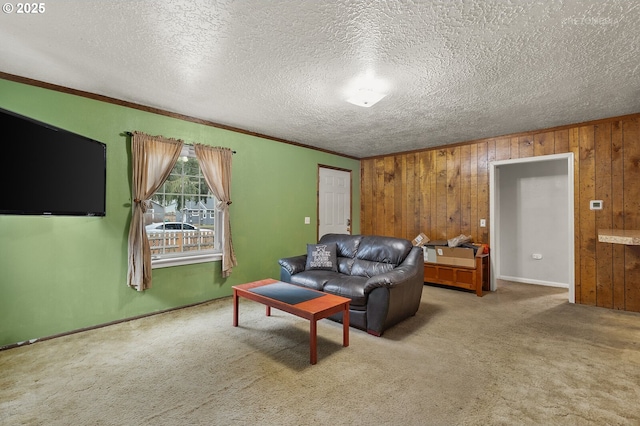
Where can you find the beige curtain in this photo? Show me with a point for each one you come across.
(215, 164)
(153, 158)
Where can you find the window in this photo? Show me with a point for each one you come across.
(182, 224)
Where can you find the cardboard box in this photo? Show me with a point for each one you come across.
(457, 256)
(420, 240)
(430, 254)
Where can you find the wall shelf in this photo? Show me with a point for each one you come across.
(630, 237)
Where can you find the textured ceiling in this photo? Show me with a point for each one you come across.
(453, 70)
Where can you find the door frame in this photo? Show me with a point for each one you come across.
(324, 166)
(494, 214)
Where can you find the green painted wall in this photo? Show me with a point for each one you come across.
(59, 274)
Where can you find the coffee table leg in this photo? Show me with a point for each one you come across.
(345, 326)
(235, 308)
(313, 341)
(268, 311)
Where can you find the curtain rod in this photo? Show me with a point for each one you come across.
(190, 144)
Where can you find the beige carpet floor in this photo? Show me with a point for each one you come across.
(521, 355)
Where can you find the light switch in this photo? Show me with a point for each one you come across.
(483, 223)
(307, 220)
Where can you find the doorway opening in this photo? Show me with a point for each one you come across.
(532, 221)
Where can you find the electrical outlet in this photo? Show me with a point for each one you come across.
(483, 223)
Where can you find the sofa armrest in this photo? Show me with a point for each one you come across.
(294, 264)
(410, 271)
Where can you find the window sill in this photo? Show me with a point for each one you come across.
(185, 260)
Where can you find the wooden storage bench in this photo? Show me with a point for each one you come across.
(476, 279)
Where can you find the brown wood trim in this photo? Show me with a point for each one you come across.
(530, 133)
(120, 102)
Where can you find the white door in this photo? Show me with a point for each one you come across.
(334, 201)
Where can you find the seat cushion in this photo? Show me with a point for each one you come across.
(348, 286)
(315, 278)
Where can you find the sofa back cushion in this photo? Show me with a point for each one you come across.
(384, 249)
(367, 256)
(367, 268)
(347, 245)
(345, 264)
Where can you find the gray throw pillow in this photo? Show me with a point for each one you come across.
(322, 257)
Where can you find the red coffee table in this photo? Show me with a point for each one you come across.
(315, 305)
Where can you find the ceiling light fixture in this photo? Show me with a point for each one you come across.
(365, 98)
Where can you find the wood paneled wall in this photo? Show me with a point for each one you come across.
(444, 192)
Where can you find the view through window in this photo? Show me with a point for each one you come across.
(181, 220)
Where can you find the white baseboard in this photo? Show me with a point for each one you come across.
(530, 281)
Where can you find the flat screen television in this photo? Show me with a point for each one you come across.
(56, 173)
